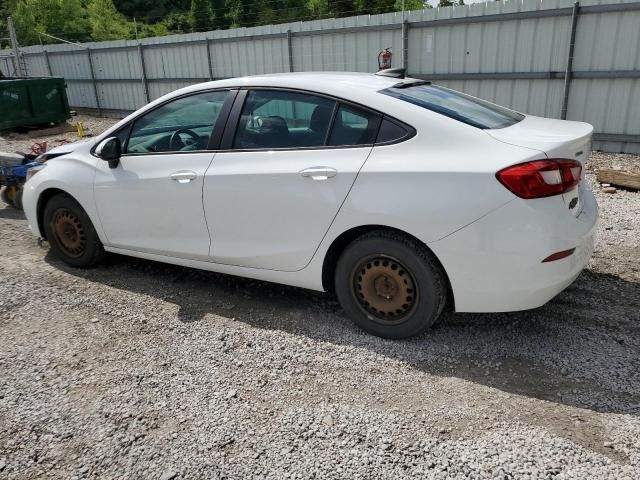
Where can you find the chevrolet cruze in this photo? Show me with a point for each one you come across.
(401, 196)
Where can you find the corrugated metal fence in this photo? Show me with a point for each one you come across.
(544, 57)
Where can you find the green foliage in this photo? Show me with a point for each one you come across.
(177, 22)
(65, 18)
(85, 20)
(200, 15)
(106, 22)
(153, 30)
(4, 13)
(220, 20)
(411, 5)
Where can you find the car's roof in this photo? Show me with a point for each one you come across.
(330, 82)
(357, 87)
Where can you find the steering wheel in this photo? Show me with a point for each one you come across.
(176, 143)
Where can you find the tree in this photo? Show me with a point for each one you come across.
(106, 22)
(84, 20)
(242, 13)
(178, 22)
(411, 5)
(63, 18)
(201, 15)
(152, 30)
(317, 9)
(4, 13)
(25, 23)
(341, 8)
(219, 8)
(151, 11)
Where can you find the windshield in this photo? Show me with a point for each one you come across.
(465, 108)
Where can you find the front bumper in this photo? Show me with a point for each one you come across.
(29, 200)
(495, 264)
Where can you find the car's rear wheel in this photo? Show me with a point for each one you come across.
(70, 233)
(390, 285)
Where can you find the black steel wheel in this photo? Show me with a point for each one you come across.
(390, 284)
(385, 289)
(70, 233)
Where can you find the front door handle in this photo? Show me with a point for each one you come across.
(183, 176)
(319, 173)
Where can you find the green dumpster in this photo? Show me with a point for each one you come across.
(32, 101)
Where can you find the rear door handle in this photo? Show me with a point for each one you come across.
(183, 176)
(319, 173)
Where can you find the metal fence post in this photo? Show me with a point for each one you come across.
(290, 49)
(405, 42)
(568, 71)
(45, 54)
(143, 72)
(93, 80)
(209, 62)
(17, 61)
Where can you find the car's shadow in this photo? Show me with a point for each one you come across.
(581, 349)
(10, 213)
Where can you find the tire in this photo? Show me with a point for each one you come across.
(70, 233)
(17, 199)
(8, 194)
(390, 285)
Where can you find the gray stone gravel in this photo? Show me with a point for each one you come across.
(20, 142)
(142, 370)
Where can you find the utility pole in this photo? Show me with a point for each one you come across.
(17, 63)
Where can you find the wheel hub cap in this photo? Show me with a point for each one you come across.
(68, 232)
(385, 288)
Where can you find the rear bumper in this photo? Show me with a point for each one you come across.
(495, 264)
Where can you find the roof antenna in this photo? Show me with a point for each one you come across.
(393, 72)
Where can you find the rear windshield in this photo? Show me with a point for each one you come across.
(456, 105)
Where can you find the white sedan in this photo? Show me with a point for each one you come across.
(403, 197)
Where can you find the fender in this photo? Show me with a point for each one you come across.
(72, 173)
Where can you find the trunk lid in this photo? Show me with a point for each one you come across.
(557, 139)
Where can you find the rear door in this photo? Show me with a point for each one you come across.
(291, 158)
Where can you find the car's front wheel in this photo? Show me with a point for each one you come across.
(70, 233)
(390, 285)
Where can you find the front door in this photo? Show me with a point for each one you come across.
(271, 198)
(152, 201)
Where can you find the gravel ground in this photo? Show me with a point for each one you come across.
(21, 142)
(142, 370)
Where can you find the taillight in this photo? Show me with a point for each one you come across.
(541, 178)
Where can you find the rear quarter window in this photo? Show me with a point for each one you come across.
(391, 132)
(459, 106)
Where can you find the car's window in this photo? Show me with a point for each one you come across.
(354, 126)
(182, 125)
(123, 134)
(390, 132)
(282, 119)
(465, 108)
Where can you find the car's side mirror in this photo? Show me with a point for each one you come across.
(110, 150)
